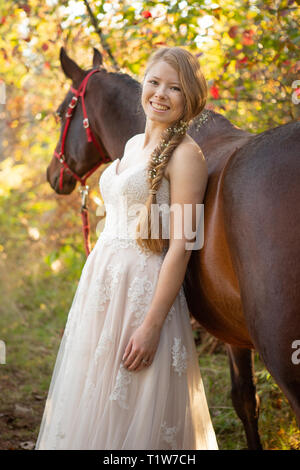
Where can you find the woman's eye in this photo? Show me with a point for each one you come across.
(175, 87)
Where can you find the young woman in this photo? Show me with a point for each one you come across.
(127, 373)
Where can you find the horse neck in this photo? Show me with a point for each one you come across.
(218, 139)
(117, 114)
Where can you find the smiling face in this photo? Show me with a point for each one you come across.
(162, 95)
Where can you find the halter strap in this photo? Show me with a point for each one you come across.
(79, 93)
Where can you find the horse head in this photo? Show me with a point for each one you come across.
(78, 150)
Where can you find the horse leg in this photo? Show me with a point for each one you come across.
(243, 392)
(277, 355)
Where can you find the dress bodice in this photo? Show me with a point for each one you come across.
(125, 195)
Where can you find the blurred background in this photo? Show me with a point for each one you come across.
(249, 53)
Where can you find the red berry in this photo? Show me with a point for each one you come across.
(146, 14)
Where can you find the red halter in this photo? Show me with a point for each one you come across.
(91, 138)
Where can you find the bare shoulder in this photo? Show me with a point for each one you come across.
(187, 159)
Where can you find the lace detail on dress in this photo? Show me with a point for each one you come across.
(179, 355)
(124, 196)
(120, 391)
(104, 344)
(168, 435)
(117, 244)
(140, 294)
(105, 286)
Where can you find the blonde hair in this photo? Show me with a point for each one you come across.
(194, 88)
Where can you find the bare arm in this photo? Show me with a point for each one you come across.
(188, 181)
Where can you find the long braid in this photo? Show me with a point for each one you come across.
(171, 138)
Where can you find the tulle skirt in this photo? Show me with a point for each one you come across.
(94, 402)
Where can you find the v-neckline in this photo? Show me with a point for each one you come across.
(131, 166)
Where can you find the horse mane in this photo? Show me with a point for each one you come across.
(210, 122)
(123, 77)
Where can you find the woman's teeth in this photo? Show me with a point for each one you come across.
(159, 107)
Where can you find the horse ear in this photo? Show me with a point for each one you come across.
(97, 59)
(70, 68)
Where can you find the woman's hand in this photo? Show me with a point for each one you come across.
(141, 346)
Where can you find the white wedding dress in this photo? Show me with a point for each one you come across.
(94, 402)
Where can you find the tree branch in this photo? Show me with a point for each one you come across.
(100, 34)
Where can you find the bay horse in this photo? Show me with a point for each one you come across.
(243, 286)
